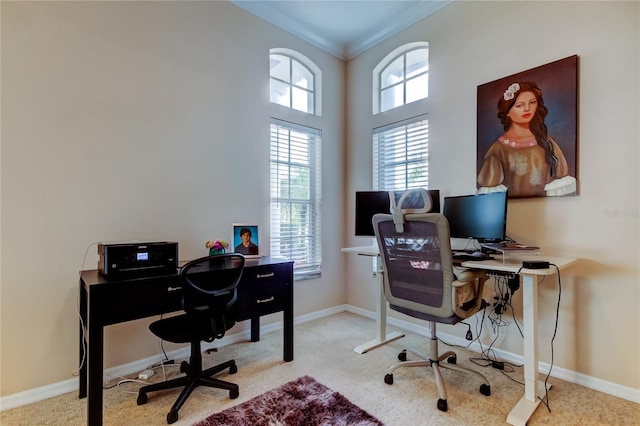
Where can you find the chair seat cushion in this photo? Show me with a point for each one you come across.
(454, 319)
(187, 328)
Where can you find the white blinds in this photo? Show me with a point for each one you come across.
(401, 155)
(295, 195)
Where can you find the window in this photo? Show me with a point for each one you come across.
(401, 155)
(401, 149)
(401, 77)
(295, 196)
(294, 81)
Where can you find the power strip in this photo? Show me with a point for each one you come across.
(500, 274)
(144, 375)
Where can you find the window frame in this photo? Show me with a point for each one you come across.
(415, 151)
(309, 265)
(311, 67)
(379, 69)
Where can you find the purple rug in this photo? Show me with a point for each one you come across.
(302, 402)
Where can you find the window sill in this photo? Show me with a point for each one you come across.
(310, 275)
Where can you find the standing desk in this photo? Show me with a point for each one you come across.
(533, 388)
(266, 287)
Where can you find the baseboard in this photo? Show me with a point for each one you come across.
(609, 388)
(71, 385)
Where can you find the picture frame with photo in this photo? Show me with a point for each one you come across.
(246, 240)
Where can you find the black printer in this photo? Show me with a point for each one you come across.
(138, 259)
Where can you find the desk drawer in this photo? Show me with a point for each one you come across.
(264, 290)
(120, 301)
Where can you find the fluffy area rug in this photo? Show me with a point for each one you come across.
(302, 402)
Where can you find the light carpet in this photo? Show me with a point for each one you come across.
(324, 351)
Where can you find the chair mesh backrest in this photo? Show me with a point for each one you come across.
(209, 284)
(418, 269)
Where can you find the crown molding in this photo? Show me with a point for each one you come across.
(350, 48)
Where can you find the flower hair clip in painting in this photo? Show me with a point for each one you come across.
(511, 91)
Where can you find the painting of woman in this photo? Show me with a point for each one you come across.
(526, 160)
(519, 152)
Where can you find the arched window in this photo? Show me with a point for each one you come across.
(401, 77)
(295, 179)
(401, 141)
(294, 81)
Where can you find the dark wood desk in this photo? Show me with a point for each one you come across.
(266, 287)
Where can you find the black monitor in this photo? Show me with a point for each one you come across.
(369, 203)
(482, 217)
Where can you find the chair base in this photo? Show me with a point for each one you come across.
(436, 364)
(195, 377)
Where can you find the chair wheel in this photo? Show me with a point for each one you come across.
(142, 398)
(452, 359)
(234, 393)
(233, 369)
(184, 367)
(442, 405)
(402, 356)
(172, 417)
(485, 389)
(388, 379)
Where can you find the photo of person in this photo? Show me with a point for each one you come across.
(525, 158)
(242, 238)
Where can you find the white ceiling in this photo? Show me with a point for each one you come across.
(343, 28)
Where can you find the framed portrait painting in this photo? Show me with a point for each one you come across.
(527, 132)
(246, 239)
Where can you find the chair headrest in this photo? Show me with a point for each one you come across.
(398, 212)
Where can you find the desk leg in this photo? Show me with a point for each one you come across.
(288, 333)
(255, 329)
(82, 388)
(381, 317)
(529, 402)
(95, 346)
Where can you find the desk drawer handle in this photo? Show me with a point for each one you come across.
(269, 275)
(271, 299)
(174, 288)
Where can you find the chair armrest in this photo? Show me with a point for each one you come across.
(467, 295)
(463, 276)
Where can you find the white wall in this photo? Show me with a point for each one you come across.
(472, 43)
(126, 120)
(136, 121)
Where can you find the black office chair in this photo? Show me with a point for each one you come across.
(420, 281)
(209, 298)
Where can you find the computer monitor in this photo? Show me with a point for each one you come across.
(369, 203)
(482, 217)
